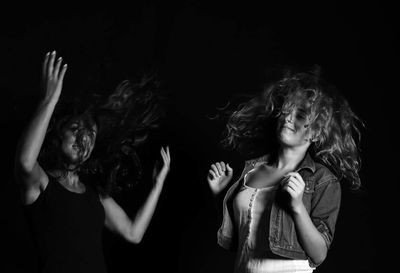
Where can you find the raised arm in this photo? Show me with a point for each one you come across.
(133, 230)
(27, 170)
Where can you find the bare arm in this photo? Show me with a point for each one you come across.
(134, 230)
(27, 169)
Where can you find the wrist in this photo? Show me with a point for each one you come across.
(299, 209)
(49, 101)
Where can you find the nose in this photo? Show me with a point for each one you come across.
(289, 117)
(83, 136)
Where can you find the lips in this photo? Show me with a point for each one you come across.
(289, 128)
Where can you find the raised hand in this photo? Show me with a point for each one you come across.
(160, 175)
(52, 76)
(219, 176)
(294, 185)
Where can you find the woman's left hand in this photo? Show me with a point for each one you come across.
(160, 175)
(294, 185)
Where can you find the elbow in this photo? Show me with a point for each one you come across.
(24, 165)
(136, 240)
(320, 258)
(134, 237)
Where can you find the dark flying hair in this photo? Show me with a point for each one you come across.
(124, 119)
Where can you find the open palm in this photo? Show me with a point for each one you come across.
(219, 176)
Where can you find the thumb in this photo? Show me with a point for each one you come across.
(230, 170)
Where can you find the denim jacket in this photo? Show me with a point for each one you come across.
(321, 197)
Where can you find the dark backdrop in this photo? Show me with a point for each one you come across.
(204, 53)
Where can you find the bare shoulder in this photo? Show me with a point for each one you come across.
(107, 201)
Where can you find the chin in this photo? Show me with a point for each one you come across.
(72, 158)
(284, 138)
(75, 160)
(287, 141)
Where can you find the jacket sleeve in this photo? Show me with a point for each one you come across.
(325, 207)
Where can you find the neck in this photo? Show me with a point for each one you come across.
(288, 158)
(69, 176)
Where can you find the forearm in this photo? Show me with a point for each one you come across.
(32, 138)
(144, 215)
(309, 237)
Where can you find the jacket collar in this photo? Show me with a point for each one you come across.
(306, 163)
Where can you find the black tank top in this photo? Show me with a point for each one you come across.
(67, 229)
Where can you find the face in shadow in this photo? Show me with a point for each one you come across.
(78, 139)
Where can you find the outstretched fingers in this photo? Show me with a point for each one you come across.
(45, 64)
(50, 66)
(57, 67)
(166, 155)
(62, 73)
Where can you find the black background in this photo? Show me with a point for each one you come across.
(205, 52)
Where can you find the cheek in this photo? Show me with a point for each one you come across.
(68, 151)
(67, 140)
(306, 134)
(66, 143)
(68, 137)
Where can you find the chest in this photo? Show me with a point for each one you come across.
(262, 176)
(76, 186)
(63, 209)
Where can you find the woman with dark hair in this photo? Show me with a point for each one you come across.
(280, 215)
(66, 184)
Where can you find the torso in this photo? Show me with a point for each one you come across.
(67, 224)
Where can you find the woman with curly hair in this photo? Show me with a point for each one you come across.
(66, 182)
(280, 215)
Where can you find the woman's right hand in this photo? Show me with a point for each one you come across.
(52, 76)
(219, 176)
